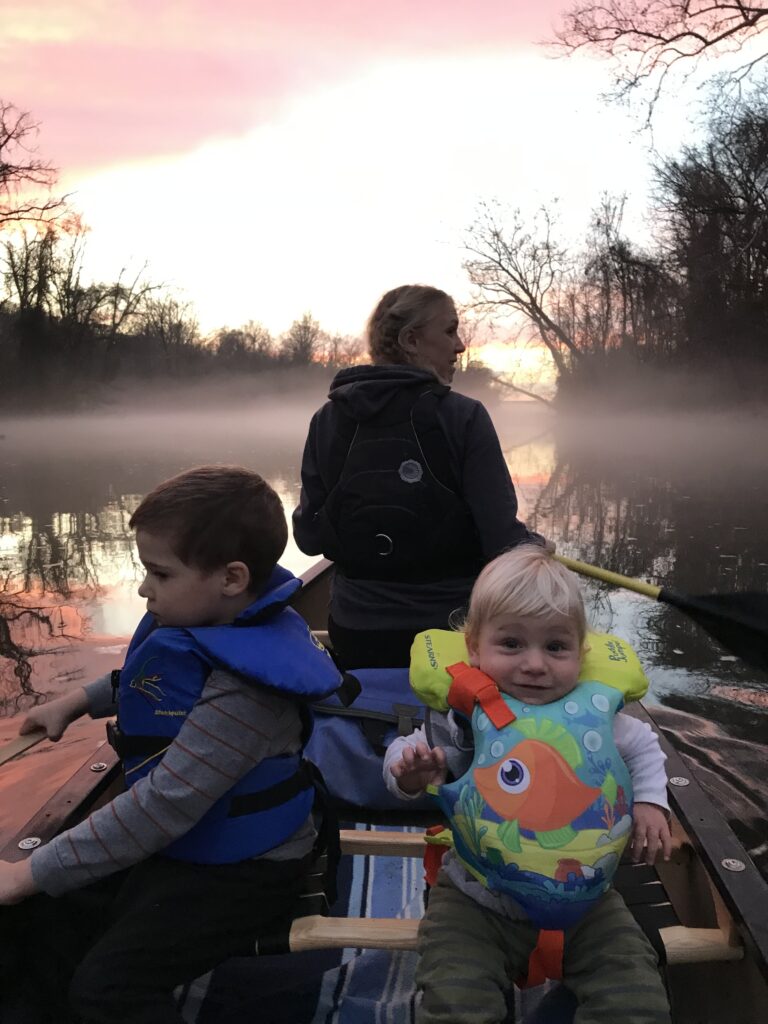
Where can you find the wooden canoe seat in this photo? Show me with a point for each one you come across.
(639, 884)
(682, 945)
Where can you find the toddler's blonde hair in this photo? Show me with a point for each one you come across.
(525, 581)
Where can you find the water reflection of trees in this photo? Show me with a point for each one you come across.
(692, 520)
(15, 619)
(57, 555)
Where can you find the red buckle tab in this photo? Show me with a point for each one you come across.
(470, 686)
(546, 959)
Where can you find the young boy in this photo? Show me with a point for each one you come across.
(519, 811)
(210, 841)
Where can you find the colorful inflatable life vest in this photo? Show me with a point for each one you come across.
(163, 676)
(545, 809)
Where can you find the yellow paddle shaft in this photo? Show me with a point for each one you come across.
(615, 578)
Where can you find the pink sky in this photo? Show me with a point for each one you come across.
(269, 158)
(120, 80)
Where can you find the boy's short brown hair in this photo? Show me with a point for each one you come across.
(213, 515)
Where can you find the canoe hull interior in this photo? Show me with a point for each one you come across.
(732, 905)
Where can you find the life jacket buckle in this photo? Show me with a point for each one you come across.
(115, 738)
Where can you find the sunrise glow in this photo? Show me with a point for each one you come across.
(266, 164)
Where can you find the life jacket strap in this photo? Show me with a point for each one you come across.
(470, 686)
(546, 959)
(134, 746)
(438, 839)
(273, 796)
(243, 803)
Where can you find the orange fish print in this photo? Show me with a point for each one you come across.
(536, 787)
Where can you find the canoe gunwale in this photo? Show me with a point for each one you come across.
(744, 892)
(69, 803)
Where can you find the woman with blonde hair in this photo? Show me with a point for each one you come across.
(404, 484)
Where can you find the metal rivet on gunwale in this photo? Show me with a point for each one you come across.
(30, 843)
(100, 766)
(732, 864)
(679, 780)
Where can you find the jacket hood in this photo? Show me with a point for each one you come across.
(365, 391)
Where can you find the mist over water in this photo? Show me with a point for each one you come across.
(679, 501)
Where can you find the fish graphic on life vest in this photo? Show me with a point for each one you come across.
(535, 786)
(543, 812)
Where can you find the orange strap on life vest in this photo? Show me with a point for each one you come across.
(470, 686)
(545, 961)
(437, 844)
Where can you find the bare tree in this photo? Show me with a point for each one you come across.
(301, 341)
(250, 346)
(23, 175)
(595, 312)
(27, 269)
(713, 207)
(520, 270)
(169, 321)
(650, 38)
(340, 349)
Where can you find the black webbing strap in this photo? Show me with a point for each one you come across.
(647, 901)
(312, 899)
(328, 842)
(272, 796)
(134, 746)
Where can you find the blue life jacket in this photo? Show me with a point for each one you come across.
(163, 677)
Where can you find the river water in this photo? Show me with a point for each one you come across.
(680, 501)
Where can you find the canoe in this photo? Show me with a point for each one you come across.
(706, 910)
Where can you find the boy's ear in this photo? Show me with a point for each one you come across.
(237, 579)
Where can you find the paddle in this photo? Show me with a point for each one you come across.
(738, 621)
(20, 744)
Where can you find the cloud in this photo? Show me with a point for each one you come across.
(118, 81)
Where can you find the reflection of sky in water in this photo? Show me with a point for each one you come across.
(642, 500)
(67, 507)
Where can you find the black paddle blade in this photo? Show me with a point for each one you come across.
(738, 621)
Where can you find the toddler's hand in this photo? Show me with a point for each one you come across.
(420, 767)
(650, 833)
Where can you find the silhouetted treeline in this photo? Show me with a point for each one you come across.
(61, 338)
(685, 319)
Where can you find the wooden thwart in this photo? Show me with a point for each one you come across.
(682, 945)
(382, 844)
(316, 932)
